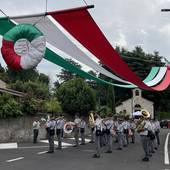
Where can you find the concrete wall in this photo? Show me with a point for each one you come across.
(18, 130)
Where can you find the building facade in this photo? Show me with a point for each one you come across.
(134, 104)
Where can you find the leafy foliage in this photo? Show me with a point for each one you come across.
(76, 96)
(66, 75)
(9, 107)
(52, 106)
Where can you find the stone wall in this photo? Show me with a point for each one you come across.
(19, 130)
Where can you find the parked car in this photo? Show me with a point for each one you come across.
(164, 123)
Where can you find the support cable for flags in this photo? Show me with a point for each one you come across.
(4, 14)
(85, 2)
(43, 17)
(46, 4)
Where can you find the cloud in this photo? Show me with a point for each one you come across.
(126, 23)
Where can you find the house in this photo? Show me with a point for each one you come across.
(135, 104)
(4, 89)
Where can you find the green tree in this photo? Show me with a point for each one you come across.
(9, 107)
(76, 96)
(52, 106)
(111, 99)
(66, 75)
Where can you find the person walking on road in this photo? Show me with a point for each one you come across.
(98, 133)
(82, 130)
(143, 128)
(59, 129)
(36, 127)
(76, 130)
(50, 133)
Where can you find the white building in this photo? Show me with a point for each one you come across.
(136, 103)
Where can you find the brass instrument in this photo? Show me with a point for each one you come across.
(91, 120)
(68, 127)
(141, 123)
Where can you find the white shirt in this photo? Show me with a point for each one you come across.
(77, 122)
(132, 125)
(36, 125)
(109, 124)
(147, 127)
(115, 124)
(120, 127)
(157, 125)
(60, 124)
(51, 124)
(126, 125)
(153, 127)
(98, 124)
(82, 124)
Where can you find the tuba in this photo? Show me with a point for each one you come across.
(68, 127)
(141, 123)
(91, 120)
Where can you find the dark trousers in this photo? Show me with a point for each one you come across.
(157, 138)
(51, 143)
(35, 136)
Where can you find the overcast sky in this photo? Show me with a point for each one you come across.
(127, 23)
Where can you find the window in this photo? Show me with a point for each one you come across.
(137, 93)
(137, 107)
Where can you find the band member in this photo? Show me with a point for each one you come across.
(115, 124)
(126, 127)
(142, 128)
(109, 125)
(91, 126)
(103, 134)
(98, 132)
(36, 127)
(152, 139)
(59, 129)
(120, 133)
(157, 131)
(132, 127)
(82, 130)
(77, 121)
(50, 127)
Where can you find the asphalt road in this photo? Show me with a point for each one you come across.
(33, 157)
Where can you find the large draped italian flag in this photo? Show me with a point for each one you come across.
(80, 26)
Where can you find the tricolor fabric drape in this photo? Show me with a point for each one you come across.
(94, 40)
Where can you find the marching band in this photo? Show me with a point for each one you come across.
(103, 130)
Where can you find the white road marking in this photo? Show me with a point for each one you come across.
(32, 147)
(16, 159)
(166, 154)
(64, 144)
(8, 145)
(86, 140)
(39, 153)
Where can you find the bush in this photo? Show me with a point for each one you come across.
(162, 115)
(9, 107)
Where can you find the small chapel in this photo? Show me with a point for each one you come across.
(134, 105)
